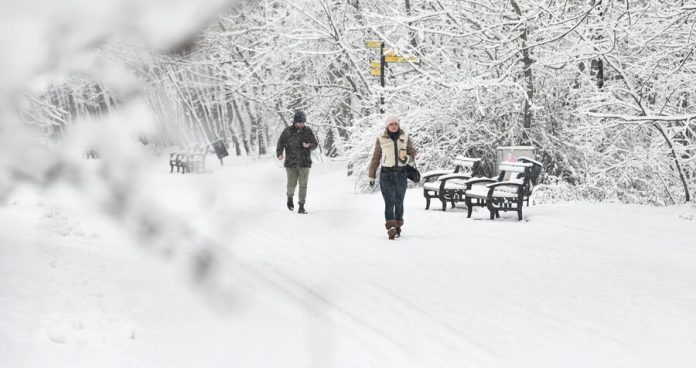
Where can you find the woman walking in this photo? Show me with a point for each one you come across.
(393, 150)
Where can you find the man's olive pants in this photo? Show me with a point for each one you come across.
(301, 175)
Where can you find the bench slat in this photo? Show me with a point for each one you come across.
(518, 167)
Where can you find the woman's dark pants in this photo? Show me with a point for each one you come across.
(393, 187)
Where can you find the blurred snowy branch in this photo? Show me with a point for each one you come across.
(51, 58)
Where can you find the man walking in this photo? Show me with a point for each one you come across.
(297, 141)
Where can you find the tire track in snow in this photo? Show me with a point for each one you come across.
(297, 292)
(397, 305)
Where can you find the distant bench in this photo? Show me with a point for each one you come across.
(187, 162)
(91, 152)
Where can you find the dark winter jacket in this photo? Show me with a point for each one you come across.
(291, 141)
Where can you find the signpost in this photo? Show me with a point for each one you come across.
(377, 66)
(220, 149)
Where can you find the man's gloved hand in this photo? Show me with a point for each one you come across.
(372, 183)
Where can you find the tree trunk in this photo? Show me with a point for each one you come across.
(680, 171)
(527, 62)
(230, 127)
(256, 129)
(242, 129)
(411, 33)
(597, 70)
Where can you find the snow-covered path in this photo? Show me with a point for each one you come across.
(576, 285)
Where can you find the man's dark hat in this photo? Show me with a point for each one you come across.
(299, 117)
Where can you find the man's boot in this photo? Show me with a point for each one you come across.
(391, 229)
(291, 205)
(301, 209)
(399, 224)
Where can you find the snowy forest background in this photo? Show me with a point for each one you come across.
(602, 89)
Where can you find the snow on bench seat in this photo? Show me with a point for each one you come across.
(500, 194)
(448, 185)
(437, 172)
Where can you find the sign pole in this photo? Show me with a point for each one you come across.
(381, 76)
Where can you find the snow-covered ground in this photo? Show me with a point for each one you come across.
(574, 285)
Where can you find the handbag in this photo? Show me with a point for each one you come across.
(412, 173)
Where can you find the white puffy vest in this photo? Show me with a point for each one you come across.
(388, 154)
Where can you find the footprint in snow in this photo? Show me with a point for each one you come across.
(57, 334)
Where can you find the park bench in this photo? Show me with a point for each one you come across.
(191, 161)
(176, 161)
(194, 163)
(449, 185)
(91, 152)
(504, 193)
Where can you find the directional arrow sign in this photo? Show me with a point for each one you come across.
(374, 63)
(375, 72)
(400, 59)
(374, 44)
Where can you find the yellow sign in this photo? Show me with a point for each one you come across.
(374, 44)
(375, 72)
(375, 63)
(400, 59)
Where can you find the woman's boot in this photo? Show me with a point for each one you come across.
(399, 224)
(391, 229)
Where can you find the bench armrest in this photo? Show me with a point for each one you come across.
(473, 181)
(434, 174)
(454, 176)
(437, 172)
